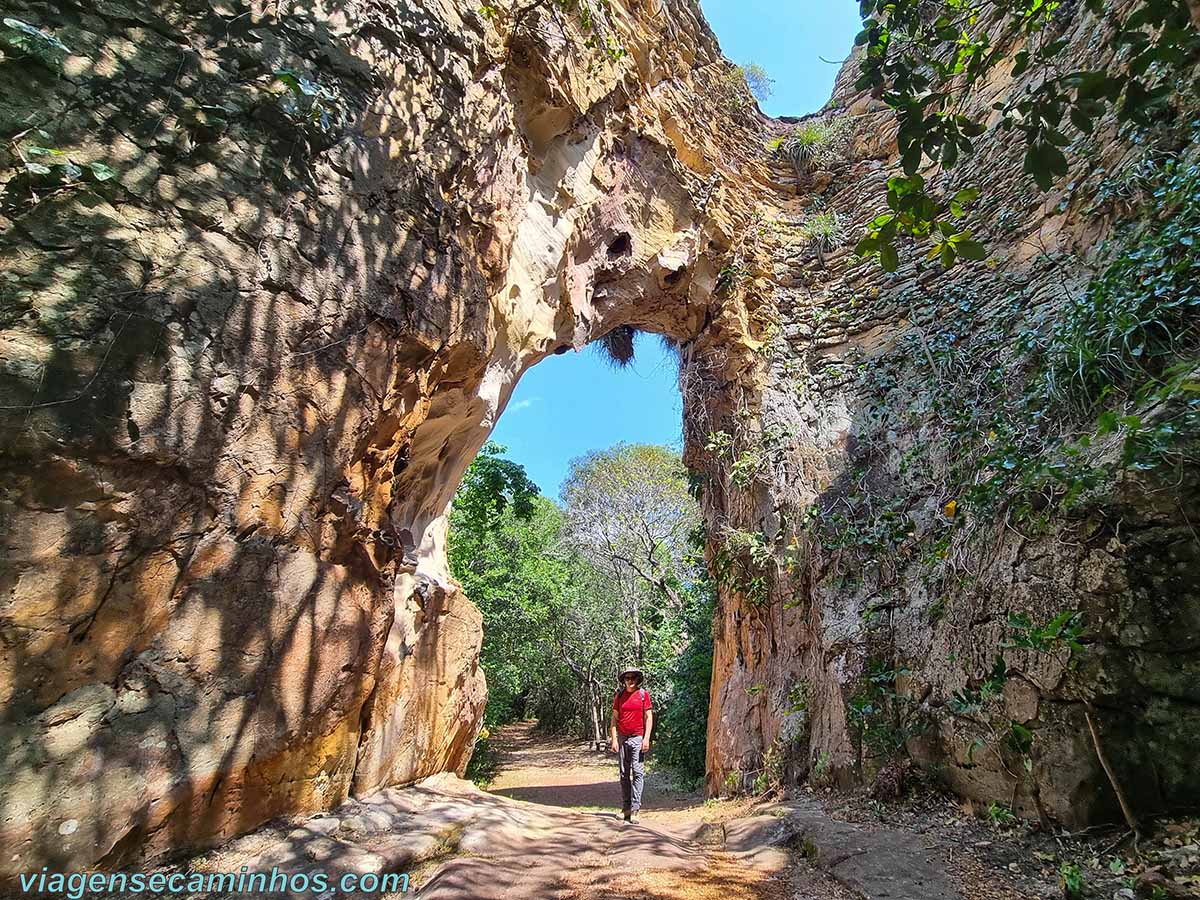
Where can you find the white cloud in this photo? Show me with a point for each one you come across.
(522, 404)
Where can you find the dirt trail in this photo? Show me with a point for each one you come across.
(550, 829)
(563, 771)
(676, 852)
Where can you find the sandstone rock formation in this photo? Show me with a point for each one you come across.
(927, 524)
(249, 348)
(250, 341)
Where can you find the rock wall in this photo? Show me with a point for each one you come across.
(252, 337)
(269, 278)
(923, 524)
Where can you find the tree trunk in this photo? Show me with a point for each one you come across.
(637, 631)
(594, 703)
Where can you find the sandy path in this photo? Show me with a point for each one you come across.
(564, 771)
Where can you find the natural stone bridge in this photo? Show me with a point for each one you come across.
(241, 378)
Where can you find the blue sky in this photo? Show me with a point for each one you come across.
(570, 404)
(787, 38)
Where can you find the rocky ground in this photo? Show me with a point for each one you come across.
(550, 827)
(995, 855)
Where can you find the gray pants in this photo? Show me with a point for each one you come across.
(629, 752)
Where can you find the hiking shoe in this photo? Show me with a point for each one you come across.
(625, 815)
(632, 818)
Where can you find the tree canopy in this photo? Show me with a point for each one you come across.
(570, 594)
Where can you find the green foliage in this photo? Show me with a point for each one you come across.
(731, 275)
(732, 785)
(682, 723)
(915, 213)
(569, 594)
(309, 104)
(746, 464)
(630, 512)
(503, 549)
(770, 776)
(593, 17)
(883, 719)
(822, 231)
(1070, 877)
(798, 698)
(971, 700)
(740, 564)
(820, 768)
(1107, 382)
(490, 486)
(746, 468)
(868, 526)
(1142, 310)
(760, 83)
(815, 144)
(922, 58)
(1000, 815)
(484, 762)
(1061, 632)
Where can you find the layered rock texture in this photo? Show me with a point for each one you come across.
(253, 335)
(960, 520)
(252, 339)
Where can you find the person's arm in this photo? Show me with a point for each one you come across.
(648, 718)
(612, 728)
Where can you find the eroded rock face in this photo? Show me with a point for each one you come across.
(249, 351)
(924, 522)
(241, 378)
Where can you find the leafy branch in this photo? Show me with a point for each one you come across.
(922, 64)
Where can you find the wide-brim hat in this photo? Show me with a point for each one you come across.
(631, 670)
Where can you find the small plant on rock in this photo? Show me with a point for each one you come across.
(823, 232)
(732, 785)
(1000, 816)
(816, 144)
(308, 103)
(1070, 877)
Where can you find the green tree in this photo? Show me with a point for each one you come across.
(629, 513)
(683, 720)
(569, 594)
(501, 530)
(760, 83)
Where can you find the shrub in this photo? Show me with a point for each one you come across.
(760, 83)
(1142, 311)
(823, 232)
(816, 143)
(738, 84)
(683, 724)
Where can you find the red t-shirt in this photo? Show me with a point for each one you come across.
(630, 709)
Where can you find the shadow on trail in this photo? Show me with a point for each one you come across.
(604, 794)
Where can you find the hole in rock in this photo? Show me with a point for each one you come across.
(575, 534)
(622, 245)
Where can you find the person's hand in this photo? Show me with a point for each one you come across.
(645, 744)
(612, 745)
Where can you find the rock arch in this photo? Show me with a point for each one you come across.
(245, 361)
(247, 372)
